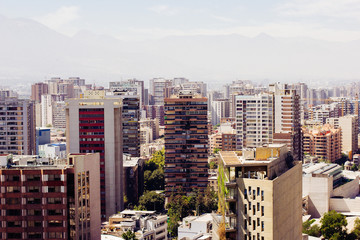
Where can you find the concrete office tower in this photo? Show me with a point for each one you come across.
(287, 126)
(37, 90)
(94, 124)
(186, 143)
(349, 133)
(157, 89)
(323, 142)
(17, 130)
(254, 190)
(219, 109)
(254, 120)
(51, 201)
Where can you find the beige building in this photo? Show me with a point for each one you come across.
(327, 187)
(349, 126)
(323, 142)
(255, 187)
(94, 125)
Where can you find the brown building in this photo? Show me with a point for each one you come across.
(323, 142)
(186, 142)
(37, 90)
(51, 202)
(17, 130)
(287, 126)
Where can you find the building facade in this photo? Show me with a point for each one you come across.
(51, 202)
(94, 124)
(323, 142)
(254, 120)
(17, 129)
(186, 143)
(254, 188)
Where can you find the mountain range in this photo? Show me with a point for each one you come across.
(31, 52)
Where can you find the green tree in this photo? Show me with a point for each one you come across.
(157, 160)
(356, 230)
(354, 167)
(216, 150)
(333, 226)
(311, 229)
(154, 180)
(129, 235)
(151, 201)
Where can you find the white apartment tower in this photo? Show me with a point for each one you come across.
(254, 120)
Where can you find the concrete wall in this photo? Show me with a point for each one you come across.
(348, 190)
(288, 204)
(318, 189)
(345, 204)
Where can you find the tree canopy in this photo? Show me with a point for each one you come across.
(333, 225)
(151, 201)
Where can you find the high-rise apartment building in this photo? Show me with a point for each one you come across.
(51, 201)
(323, 142)
(17, 129)
(349, 126)
(254, 120)
(254, 189)
(186, 143)
(157, 90)
(220, 108)
(287, 126)
(37, 90)
(94, 124)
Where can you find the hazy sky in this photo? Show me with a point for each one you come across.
(337, 20)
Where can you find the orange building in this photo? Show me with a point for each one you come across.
(323, 142)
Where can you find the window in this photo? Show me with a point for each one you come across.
(13, 189)
(12, 201)
(258, 191)
(245, 224)
(33, 177)
(53, 177)
(34, 224)
(258, 222)
(262, 226)
(262, 210)
(254, 194)
(258, 206)
(33, 200)
(254, 210)
(245, 193)
(245, 209)
(34, 235)
(34, 212)
(14, 224)
(33, 189)
(14, 236)
(54, 201)
(262, 195)
(54, 189)
(254, 225)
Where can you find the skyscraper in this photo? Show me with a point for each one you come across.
(94, 124)
(254, 120)
(186, 142)
(17, 130)
(287, 126)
